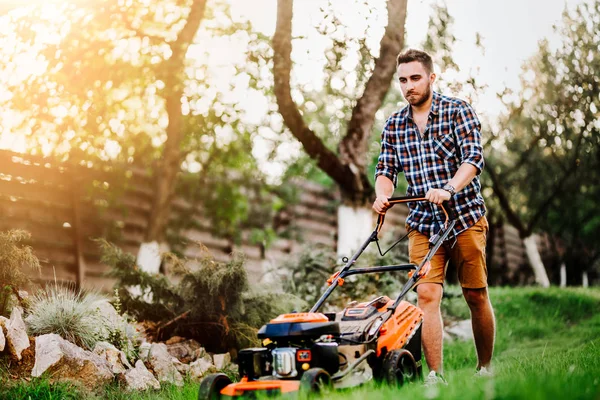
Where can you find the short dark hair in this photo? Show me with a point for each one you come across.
(411, 55)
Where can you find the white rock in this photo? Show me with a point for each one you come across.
(116, 358)
(16, 333)
(144, 351)
(139, 378)
(181, 367)
(201, 367)
(461, 330)
(222, 360)
(2, 337)
(64, 360)
(162, 364)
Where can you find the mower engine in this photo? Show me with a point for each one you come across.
(294, 343)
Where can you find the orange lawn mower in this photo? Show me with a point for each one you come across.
(312, 352)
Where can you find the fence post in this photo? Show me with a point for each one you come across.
(77, 233)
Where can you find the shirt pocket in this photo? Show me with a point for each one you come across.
(443, 146)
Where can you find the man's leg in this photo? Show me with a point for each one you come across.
(484, 324)
(429, 298)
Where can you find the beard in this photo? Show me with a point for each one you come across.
(416, 100)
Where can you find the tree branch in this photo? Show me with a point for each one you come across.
(172, 155)
(354, 145)
(511, 215)
(326, 159)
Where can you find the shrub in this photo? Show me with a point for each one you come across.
(305, 275)
(211, 301)
(74, 315)
(13, 257)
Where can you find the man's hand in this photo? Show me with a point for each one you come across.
(381, 204)
(437, 196)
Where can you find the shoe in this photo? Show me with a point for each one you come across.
(483, 372)
(434, 379)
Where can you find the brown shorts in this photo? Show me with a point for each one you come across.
(468, 255)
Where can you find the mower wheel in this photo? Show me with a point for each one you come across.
(211, 386)
(315, 380)
(399, 367)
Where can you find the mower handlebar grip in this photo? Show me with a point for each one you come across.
(405, 199)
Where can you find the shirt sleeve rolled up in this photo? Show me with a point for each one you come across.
(468, 133)
(387, 164)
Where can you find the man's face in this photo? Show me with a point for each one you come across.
(415, 82)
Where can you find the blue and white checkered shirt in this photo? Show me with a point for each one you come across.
(430, 162)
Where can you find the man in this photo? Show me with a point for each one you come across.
(436, 142)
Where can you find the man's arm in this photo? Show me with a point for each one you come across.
(462, 178)
(384, 189)
(468, 132)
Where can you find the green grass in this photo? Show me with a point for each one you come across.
(547, 347)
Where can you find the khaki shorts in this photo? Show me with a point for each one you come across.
(468, 255)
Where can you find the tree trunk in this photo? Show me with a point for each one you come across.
(563, 275)
(170, 164)
(535, 260)
(349, 169)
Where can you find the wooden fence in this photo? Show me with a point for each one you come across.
(66, 207)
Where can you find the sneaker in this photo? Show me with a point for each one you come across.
(434, 379)
(483, 372)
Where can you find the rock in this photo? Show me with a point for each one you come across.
(144, 351)
(183, 369)
(162, 364)
(16, 333)
(461, 330)
(65, 361)
(186, 351)
(116, 358)
(201, 367)
(222, 360)
(174, 340)
(2, 337)
(139, 378)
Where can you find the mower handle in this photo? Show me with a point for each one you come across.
(448, 212)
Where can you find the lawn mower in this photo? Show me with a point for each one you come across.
(308, 352)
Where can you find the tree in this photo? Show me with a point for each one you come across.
(129, 82)
(545, 178)
(346, 165)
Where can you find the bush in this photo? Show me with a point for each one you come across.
(74, 315)
(305, 275)
(211, 301)
(13, 257)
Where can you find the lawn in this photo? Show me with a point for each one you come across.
(547, 347)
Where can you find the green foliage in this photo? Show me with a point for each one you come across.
(551, 135)
(122, 334)
(211, 301)
(14, 256)
(74, 315)
(305, 274)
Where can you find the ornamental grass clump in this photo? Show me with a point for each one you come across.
(73, 315)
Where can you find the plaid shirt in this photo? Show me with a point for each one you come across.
(430, 162)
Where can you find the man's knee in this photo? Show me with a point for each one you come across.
(476, 298)
(429, 294)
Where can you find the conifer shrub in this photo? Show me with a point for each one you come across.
(209, 301)
(14, 257)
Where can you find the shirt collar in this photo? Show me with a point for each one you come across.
(435, 105)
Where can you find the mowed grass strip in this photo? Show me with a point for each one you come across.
(547, 347)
